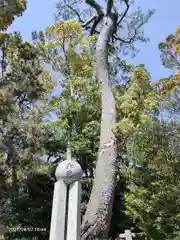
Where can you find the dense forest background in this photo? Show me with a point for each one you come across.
(32, 143)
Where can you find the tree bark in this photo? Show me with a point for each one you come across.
(97, 218)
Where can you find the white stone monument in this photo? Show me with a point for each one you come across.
(66, 217)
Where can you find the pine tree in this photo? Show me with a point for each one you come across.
(106, 22)
(77, 105)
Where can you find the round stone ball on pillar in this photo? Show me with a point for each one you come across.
(69, 171)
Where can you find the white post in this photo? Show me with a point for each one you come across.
(58, 211)
(65, 219)
(74, 216)
(128, 235)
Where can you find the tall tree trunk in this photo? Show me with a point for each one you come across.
(97, 218)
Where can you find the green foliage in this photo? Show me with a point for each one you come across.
(148, 151)
(130, 29)
(24, 87)
(172, 105)
(170, 53)
(9, 9)
(77, 105)
(22, 84)
(33, 208)
(153, 198)
(170, 50)
(136, 102)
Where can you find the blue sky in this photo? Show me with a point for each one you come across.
(40, 13)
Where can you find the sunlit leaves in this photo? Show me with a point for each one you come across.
(9, 9)
(68, 30)
(165, 86)
(67, 34)
(77, 104)
(133, 103)
(170, 51)
(23, 61)
(67, 48)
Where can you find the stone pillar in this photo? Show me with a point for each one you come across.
(66, 217)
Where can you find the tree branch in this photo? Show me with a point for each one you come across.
(95, 31)
(95, 5)
(50, 155)
(96, 20)
(123, 40)
(129, 41)
(115, 10)
(89, 21)
(76, 12)
(125, 13)
(109, 6)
